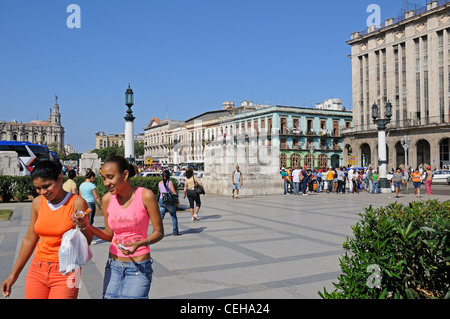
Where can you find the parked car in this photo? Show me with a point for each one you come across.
(180, 177)
(150, 174)
(441, 176)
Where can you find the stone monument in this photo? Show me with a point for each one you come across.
(9, 163)
(89, 161)
(258, 162)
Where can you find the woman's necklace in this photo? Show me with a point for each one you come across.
(129, 200)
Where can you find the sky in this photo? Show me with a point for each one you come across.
(180, 57)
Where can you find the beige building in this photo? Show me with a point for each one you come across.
(158, 140)
(103, 140)
(405, 61)
(49, 132)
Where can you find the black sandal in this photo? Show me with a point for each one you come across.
(176, 234)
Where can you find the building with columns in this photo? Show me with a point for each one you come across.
(49, 132)
(405, 61)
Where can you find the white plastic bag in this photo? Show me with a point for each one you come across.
(74, 251)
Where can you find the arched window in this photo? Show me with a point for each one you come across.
(283, 160)
(322, 161)
(296, 160)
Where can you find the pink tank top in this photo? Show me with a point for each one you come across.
(129, 224)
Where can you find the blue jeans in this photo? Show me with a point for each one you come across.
(127, 280)
(172, 209)
(92, 206)
(296, 187)
(375, 189)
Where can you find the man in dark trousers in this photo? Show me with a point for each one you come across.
(304, 180)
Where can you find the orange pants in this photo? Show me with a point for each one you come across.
(44, 281)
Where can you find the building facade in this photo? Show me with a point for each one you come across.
(158, 140)
(103, 140)
(49, 133)
(298, 133)
(405, 61)
(304, 136)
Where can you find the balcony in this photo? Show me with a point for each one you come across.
(291, 132)
(321, 148)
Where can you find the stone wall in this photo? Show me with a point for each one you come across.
(9, 163)
(259, 164)
(89, 161)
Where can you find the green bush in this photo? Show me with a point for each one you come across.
(24, 188)
(7, 188)
(397, 252)
(146, 182)
(21, 187)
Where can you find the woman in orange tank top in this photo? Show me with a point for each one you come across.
(51, 217)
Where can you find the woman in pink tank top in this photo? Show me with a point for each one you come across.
(127, 210)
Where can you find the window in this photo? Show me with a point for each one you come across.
(441, 76)
(309, 126)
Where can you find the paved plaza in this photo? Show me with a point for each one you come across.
(271, 247)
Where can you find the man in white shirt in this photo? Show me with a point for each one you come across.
(350, 180)
(237, 180)
(296, 180)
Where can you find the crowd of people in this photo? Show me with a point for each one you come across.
(341, 180)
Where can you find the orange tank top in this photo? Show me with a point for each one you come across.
(416, 177)
(51, 224)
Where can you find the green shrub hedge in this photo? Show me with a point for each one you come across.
(21, 187)
(397, 252)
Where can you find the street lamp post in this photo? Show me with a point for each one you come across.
(406, 142)
(382, 154)
(129, 126)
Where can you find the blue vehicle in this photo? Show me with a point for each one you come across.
(29, 154)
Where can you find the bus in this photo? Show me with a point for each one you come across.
(29, 154)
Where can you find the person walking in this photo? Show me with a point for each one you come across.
(166, 186)
(127, 210)
(237, 179)
(330, 178)
(340, 180)
(70, 186)
(397, 179)
(305, 178)
(296, 180)
(428, 180)
(51, 217)
(88, 191)
(350, 179)
(417, 180)
(319, 181)
(375, 180)
(284, 176)
(193, 197)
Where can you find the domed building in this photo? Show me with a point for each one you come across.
(49, 132)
